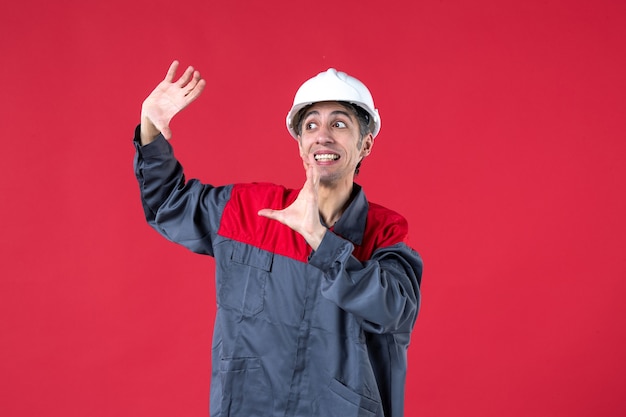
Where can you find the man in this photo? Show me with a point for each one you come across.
(317, 290)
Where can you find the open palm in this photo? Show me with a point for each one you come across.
(169, 98)
(303, 214)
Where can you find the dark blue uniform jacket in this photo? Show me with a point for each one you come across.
(298, 332)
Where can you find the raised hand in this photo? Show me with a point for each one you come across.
(166, 100)
(303, 214)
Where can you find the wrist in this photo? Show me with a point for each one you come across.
(314, 239)
(148, 131)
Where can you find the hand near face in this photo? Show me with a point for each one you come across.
(303, 214)
(168, 98)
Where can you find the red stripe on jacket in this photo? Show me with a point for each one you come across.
(241, 223)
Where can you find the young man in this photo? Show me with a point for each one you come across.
(317, 290)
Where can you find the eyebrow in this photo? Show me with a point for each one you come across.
(333, 113)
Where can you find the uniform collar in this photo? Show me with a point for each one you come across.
(351, 224)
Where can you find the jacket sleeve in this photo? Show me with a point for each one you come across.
(185, 212)
(384, 292)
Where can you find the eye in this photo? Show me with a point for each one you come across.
(310, 125)
(340, 124)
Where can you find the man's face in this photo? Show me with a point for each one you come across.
(331, 140)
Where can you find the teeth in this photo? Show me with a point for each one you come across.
(326, 157)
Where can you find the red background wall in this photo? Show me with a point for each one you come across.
(503, 143)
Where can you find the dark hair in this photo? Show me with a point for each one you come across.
(362, 117)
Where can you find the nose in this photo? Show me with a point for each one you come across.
(324, 135)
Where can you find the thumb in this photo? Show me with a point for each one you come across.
(269, 213)
(277, 215)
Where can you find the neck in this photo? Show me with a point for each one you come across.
(333, 200)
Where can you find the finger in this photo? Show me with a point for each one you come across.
(171, 72)
(308, 161)
(196, 91)
(315, 175)
(186, 77)
(270, 214)
(193, 83)
(312, 176)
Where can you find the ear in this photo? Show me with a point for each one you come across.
(366, 146)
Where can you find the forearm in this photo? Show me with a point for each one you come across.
(157, 171)
(383, 291)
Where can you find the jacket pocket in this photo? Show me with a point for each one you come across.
(245, 388)
(342, 401)
(243, 284)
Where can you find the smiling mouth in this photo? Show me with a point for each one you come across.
(325, 157)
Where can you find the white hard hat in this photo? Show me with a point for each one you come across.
(333, 85)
